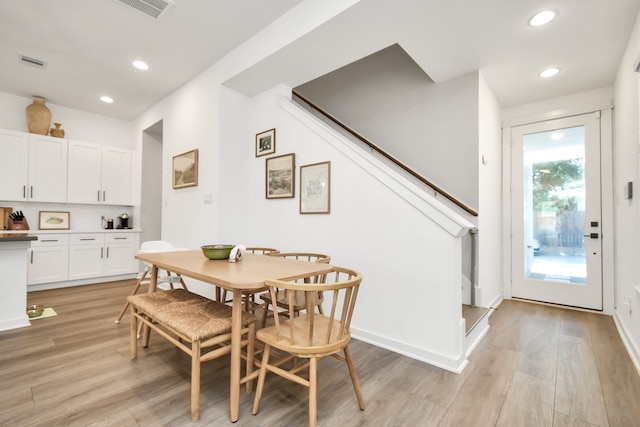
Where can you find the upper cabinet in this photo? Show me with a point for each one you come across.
(99, 174)
(32, 167)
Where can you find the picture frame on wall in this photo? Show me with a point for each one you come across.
(315, 188)
(280, 176)
(266, 142)
(52, 220)
(185, 169)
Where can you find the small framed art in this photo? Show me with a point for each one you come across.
(315, 188)
(185, 169)
(50, 220)
(266, 142)
(280, 176)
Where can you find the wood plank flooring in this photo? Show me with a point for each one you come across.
(537, 366)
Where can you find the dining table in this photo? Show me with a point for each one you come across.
(248, 274)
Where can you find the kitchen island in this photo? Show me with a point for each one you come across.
(13, 265)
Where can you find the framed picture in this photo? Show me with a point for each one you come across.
(50, 220)
(185, 169)
(266, 142)
(315, 188)
(280, 176)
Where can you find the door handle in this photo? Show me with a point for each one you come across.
(592, 235)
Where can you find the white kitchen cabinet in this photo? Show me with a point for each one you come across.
(32, 167)
(99, 174)
(86, 256)
(48, 259)
(14, 164)
(47, 169)
(102, 254)
(121, 248)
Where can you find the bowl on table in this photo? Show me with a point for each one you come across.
(35, 310)
(217, 251)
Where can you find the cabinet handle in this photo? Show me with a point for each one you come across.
(31, 257)
(98, 195)
(49, 240)
(31, 196)
(120, 238)
(104, 196)
(93, 238)
(107, 251)
(24, 191)
(101, 252)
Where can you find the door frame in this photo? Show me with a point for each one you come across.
(607, 194)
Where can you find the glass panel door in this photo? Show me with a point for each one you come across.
(556, 212)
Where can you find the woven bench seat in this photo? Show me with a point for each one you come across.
(192, 323)
(192, 315)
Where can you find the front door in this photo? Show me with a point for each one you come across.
(556, 213)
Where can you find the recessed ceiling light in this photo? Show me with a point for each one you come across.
(140, 65)
(106, 99)
(549, 72)
(542, 18)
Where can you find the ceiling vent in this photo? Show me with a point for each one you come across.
(155, 9)
(32, 62)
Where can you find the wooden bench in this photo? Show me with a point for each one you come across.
(195, 324)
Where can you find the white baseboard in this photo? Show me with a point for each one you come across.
(627, 340)
(19, 322)
(450, 363)
(69, 283)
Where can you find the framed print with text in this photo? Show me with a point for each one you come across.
(315, 188)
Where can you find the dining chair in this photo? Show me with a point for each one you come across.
(248, 297)
(311, 335)
(145, 278)
(299, 302)
(196, 325)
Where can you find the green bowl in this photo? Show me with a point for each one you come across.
(217, 251)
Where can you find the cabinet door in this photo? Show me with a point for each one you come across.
(86, 256)
(14, 163)
(48, 264)
(84, 173)
(120, 252)
(47, 169)
(117, 175)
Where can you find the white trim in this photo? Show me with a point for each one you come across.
(627, 340)
(453, 363)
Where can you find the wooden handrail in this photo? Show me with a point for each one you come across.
(385, 154)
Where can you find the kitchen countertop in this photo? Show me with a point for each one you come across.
(16, 237)
(80, 231)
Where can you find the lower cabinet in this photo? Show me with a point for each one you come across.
(100, 254)
(48, 259)
(77, 256)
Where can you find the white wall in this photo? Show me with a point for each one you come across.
(389, 100)
(78, 125)
(490, 220)
(626, 149)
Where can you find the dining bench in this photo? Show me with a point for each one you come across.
(197, 325)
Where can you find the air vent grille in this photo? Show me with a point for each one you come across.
(32, 62)
(155, 9)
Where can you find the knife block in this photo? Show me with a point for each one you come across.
(18, 225)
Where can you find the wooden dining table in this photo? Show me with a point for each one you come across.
(249, 274)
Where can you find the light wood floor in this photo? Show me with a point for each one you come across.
(537, 366)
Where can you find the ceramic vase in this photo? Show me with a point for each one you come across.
(38, 116)
(57, 131)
